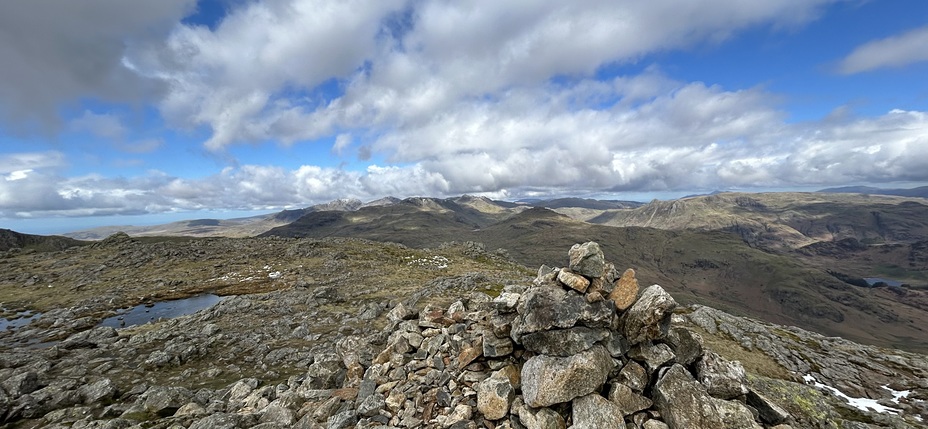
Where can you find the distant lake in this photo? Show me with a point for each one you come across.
(874, 280)
(145, 313)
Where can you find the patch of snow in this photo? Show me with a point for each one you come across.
(863, 404)
(898, 394)
(274, 275)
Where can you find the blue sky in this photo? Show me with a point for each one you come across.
(132, 112)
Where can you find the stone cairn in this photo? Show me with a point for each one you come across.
(581, 347)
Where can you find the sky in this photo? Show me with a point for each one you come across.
(132, 111)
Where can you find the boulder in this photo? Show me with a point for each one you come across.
(683, 402)
(548, 307)
(564, 342)
(634, 376)
(495, 395)
(595, 412)
(649, 318)
(736, 415)
(541, 418)
(768, 411)
(627, 400)
(587, 259)
(548, 380)
(653, 356)
(686, 345)
(165, 401)
(723, 379)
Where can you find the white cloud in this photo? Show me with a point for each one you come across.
(252, 78)
(896, 51)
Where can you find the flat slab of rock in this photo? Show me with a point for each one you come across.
(549, 380)
(625, 290)
(564, 342)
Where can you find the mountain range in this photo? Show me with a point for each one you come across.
(790, 258)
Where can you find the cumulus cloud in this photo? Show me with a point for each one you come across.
(57, 52)
(401, 62)
(896, 51)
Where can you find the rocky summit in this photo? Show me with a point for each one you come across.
(583, 346)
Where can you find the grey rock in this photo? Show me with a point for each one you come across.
(21, 383)
(342, 420)
(654, 424)
(627, 400)
(652, 355)
(594, 412)
(548, 306)
(616, 344)
(506, 302)
(587, 259)
(372, 405)
(495, 395)
(736, 415)
(548, 380)
(723, 379)
(769, 412)
(648, 319)
(97, 391)
(324, 373)
(683, 402)
(165, 401)
(494, 346)
(686, 345)
(278, 414)
(564, 342)
(218, 421)
(634, 376)
(541, 418)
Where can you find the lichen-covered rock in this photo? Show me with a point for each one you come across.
(541, 418)
(595, 412)
(634, 376)
(494, 346)
(648, 319)
(495, 395)
(723, 379)
(627, 400)
(736, 415)
(686, 345)
(768, 411)
(587, 259)
(625, 290)
(549, 306)
(573, 280)
(653, 356)
(683, 402)
(548, 380)
(564, 342)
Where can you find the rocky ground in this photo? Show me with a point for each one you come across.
(351, 333)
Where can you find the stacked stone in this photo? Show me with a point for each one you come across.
(596, 353)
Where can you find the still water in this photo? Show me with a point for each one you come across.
(145, 313)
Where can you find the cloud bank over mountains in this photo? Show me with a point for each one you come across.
(433, 97)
